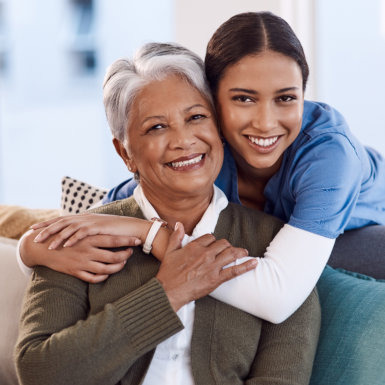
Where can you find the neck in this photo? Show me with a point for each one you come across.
(185, 209)
(252, 182)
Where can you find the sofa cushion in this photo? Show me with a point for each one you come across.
(351, 348)
(12, 286)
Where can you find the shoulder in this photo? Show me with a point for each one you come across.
(325, 136)
(247, 227)
(123, 207)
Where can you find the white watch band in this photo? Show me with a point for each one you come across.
(156, 225)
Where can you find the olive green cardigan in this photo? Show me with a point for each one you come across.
(76, 333)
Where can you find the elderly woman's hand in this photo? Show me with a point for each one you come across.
(195, 270)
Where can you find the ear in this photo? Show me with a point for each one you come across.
(123, 153)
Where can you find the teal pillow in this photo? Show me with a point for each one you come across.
(351, 348)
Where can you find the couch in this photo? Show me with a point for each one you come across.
(351, 348)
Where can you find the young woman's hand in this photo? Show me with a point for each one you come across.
(90, 259)
(73, 228)
(195, 270)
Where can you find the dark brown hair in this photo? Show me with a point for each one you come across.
(251, 33)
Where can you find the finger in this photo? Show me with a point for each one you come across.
(91, 278)
(175, 240)
(112, 257)
(213, 250)
(52, 229)
(113, 241)
(204, 240)
(229, 255)
(100, 268)
(234, 271)
(39, 225)
(59, 237)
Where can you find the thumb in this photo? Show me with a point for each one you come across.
(175, 240)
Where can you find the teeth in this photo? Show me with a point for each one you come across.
(187, 162)
(263, 142)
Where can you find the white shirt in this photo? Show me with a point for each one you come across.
(171, 364)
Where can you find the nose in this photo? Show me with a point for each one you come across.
(264, 119)
(182, 137)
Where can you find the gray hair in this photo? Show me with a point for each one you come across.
(125, 78)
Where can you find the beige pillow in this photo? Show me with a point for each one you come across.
(15, 220)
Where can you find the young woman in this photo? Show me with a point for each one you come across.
(152, 322)
(291, 158)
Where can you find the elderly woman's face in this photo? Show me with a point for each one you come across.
(173, 140)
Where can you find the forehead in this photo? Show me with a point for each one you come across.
(268, 67)
(173, 93)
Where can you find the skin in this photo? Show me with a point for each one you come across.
(260, 98)
(174, 123)
(178, 153)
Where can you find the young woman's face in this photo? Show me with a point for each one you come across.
(260, 105)
(173, 140)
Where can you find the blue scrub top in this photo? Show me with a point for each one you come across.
(327, 183)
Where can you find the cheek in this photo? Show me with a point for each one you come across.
(293, 120)
(230, 119)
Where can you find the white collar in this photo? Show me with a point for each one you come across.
(205, 225)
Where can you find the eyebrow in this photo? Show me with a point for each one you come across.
(193, 106)
(162, 116)
(254, 92)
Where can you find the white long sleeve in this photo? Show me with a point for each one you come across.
(283, 279)
(23, 267)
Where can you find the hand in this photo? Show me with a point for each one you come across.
(72, 228)
(195, 270)
(89, 260)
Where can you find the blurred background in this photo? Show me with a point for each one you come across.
(53, 55)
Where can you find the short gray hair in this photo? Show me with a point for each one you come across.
(125, 78)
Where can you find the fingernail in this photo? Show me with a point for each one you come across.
(65, 244)
(137, 242)
(177, 224)
(50, 247)
(37, 238)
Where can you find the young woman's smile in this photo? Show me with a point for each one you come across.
(260, 102)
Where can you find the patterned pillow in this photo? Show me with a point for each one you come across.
(78, 196)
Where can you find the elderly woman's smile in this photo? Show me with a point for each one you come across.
(186, 163)
(173, 140)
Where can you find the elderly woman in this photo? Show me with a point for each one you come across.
(152, 323)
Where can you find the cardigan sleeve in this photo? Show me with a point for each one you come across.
(61, 343)
(286, 351)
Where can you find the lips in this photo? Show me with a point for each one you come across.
(263, 142)
(184, 163)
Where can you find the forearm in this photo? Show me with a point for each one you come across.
(283, 279)
(72, 345)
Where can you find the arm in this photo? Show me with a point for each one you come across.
(53, 341)
(283, 279)
(286, 351)
(65, 345)
(286, 275)
(89, 260)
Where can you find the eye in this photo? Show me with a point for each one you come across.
(286, 98)
(155, 127)
(242, 98)
(197, 117)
